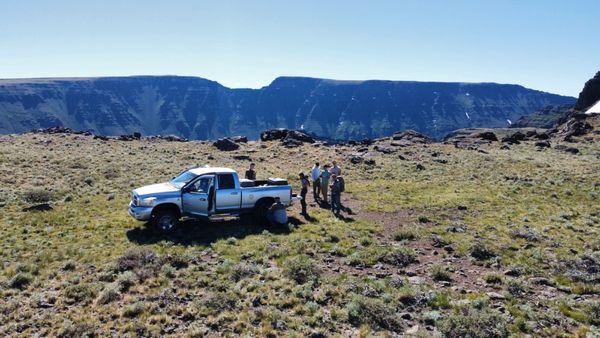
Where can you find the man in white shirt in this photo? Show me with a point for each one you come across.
(315, 175)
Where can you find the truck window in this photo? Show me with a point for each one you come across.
(202, 185)
(226, 181)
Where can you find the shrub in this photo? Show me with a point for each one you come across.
(134, 310)
(20, 280)
(77, 330)
(399, 257)
(143, 262)
(493, 278)
(79, 293)
(126, 280)
(243, 270)
(405, 234)
(467, 322)
(221, 301)
(440, 273)
(373, 312)
(37, 195)
(301, 269)
(481, 252)
(423, 219)
(516, 288)
(109, 294)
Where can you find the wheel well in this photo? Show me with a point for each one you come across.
(166, 206)
(264, 200)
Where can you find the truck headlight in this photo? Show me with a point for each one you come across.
(147, 202)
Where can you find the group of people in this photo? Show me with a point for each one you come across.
(327, 186)
(324, 180)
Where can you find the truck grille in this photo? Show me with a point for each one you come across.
(135, 200)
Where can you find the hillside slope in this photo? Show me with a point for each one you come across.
(441, 240)
(201, 109)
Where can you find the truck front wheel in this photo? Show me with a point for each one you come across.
(166, 220)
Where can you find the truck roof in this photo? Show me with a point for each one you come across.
(211, 170)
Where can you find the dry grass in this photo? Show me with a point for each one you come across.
(87, 267)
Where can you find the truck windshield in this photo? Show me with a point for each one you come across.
(183, 179)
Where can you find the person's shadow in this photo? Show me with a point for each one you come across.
(199, 232)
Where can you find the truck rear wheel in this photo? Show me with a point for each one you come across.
(166, 220)
(261, 209)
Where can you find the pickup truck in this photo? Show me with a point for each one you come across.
(203, 192)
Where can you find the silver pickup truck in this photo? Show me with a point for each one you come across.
(203, 192)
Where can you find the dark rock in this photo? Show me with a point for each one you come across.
(382, 149)
(542, 281)
(137, 135)
(409, 137)
(370, 162)
(240, 139)
(366, 142)
(542, 144)
(462, 207)
(356, 159)
(242, 157)
(225, 144)
(567, 149)
(100, 137)
(485, 135)
(420, 166)
(274, 134)
(125, 138)
(514, 138)
(590, 94)
(110, 197)
(505, 147)
(38, 207)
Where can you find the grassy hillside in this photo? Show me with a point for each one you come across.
(441, 241)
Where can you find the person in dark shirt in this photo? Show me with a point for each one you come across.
(250, 173)
(305, 184)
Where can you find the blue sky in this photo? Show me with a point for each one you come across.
(547, 45)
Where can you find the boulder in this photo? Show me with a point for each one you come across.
(225, 144)
(411, 137)
(240, 139)
(38, 207)
(484, 135)
(289, 138)
(514, 138)
(564, 148)
(542, 144)
(137, 135)
(274, 134)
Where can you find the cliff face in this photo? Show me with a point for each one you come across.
(590, 94)
(200, 109)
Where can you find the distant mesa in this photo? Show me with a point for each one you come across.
(197, 108)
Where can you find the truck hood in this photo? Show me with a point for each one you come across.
(154, 189)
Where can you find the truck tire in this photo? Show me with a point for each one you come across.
(166, 220)
(261, 209)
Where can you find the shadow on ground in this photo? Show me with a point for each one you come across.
(198, 232)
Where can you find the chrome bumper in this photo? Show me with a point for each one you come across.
(140, 213)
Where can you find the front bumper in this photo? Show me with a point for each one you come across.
(140, 213)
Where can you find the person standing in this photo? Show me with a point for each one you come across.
(336, 195)
(325, 175)
(251, 173)
(337, 171)
(305, 184)
(315, 174)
